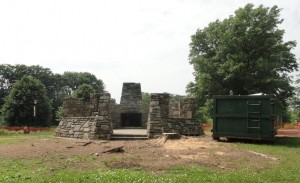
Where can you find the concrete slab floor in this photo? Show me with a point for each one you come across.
(131, 131)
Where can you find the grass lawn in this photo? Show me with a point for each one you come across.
(285, 149)
(8, 137)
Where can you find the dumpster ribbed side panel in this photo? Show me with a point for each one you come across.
(247, 117)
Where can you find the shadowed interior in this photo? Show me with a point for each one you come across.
(131, 119)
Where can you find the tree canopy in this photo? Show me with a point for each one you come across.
(75, 79)
(58, 86)
(244, 53)
(18, 106)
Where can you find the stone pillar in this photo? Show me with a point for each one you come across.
(158, 114)
(102, 125)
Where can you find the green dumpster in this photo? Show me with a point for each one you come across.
(246, 117)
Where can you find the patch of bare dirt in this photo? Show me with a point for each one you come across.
(289, 132)
(153, 155)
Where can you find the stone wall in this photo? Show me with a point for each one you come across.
(77, 108)
(184, 126)
(96, 126)
(183, 109)
(76, 127)
(115, 116)
(165, 118)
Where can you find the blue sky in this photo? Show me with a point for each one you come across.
(119, 41)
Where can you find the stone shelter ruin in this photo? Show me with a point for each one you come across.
(97, 117)
(131, 112)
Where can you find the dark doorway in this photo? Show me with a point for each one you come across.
(131, 119)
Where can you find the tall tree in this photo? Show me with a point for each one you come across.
(244, 53)
(18, 106)
(13, 73)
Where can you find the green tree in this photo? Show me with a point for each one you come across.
(74, 79)
(60, 112)
(244, 53)
(4, 89)
(13, 73)
(176, 98)
(18, 106)
(294, 102)
(295, 115)
(83, 92)
(58, 86)
(286, 116)
(145, 98)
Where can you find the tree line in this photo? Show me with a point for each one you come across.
(20, 85)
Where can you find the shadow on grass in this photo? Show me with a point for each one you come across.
(287, 141)
(279, 141)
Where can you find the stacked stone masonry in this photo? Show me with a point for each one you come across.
(96, 118)
(183, 126)
(172, 118)
(183, 109)
(158, 112)
(77, 108)
(94, 123)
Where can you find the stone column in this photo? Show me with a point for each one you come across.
(158, 114)
(102, 126)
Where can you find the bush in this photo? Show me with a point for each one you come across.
(8, 132)
(59, 113)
